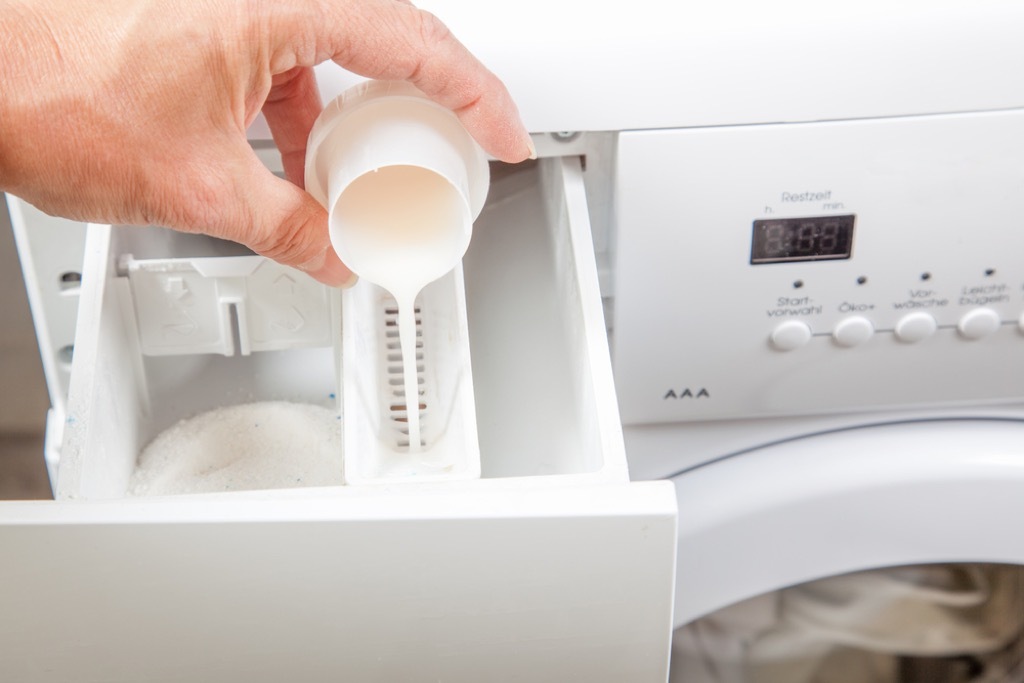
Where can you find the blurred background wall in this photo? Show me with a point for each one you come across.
(23, 399)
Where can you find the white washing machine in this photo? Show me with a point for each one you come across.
(819, 337)
(804, 225)
(845, 384)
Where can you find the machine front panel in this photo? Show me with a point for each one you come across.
(820, 268)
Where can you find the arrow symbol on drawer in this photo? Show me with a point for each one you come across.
(285, 283)
(294, 322)
(180, 329)
(176, 289)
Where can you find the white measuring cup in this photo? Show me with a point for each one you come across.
(402, 182)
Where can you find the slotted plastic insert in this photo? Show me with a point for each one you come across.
(376, 420)
(394, 394)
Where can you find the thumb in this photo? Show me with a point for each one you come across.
(290, 227)
(396, 41)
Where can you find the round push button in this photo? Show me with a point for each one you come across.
(979, 323)
(790, 335)
(853, 331)
(915, 327)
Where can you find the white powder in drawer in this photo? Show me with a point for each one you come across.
(247, 447)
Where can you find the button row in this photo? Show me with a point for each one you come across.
(911, 328)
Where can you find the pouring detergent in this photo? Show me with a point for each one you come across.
(402, 182)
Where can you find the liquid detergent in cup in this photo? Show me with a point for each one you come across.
(402, 182)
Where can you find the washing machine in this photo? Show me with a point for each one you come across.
(819, 338)
(773, 256)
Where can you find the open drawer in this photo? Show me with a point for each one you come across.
(550, 566)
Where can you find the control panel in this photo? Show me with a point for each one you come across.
(813, 268)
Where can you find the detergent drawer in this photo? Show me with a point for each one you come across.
(550, 565)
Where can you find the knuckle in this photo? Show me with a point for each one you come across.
(289, 241)
(199, 200)
(430, 30)
(194, 207)
(287, 85)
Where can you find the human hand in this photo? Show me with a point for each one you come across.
(135, 111)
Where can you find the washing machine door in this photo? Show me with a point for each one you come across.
(835, 503)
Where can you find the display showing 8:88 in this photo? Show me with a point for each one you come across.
(802, 239)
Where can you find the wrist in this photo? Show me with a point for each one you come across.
(42, 88)
(22, 72)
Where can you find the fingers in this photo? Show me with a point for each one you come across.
(279, 220)
(386, 39)
(294, 232)
(291, 108)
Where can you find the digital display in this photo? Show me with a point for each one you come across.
(780, 240)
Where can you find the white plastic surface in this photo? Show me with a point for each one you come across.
(979, 323)
(935, 200)
(552, 566)
(915, 327)
(853, 331)
(831, 504)
(578, 65)
(541, 369)
(213, 305)
(543, 361)
(790, 335)
(550, 584)
(376, 427)
(50, 250)
(402, 182)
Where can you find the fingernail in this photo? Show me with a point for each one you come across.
(532, 147)
(351, 281)
(333, 272)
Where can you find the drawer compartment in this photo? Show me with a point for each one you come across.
(544, 399)
(550, 565)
